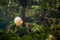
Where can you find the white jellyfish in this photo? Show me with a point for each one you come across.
(18, 21)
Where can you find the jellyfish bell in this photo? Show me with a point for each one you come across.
(18, 21)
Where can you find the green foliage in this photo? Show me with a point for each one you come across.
(5, 36)
(9, 9)
(2, 2)
(34, 27)
(26, 37)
